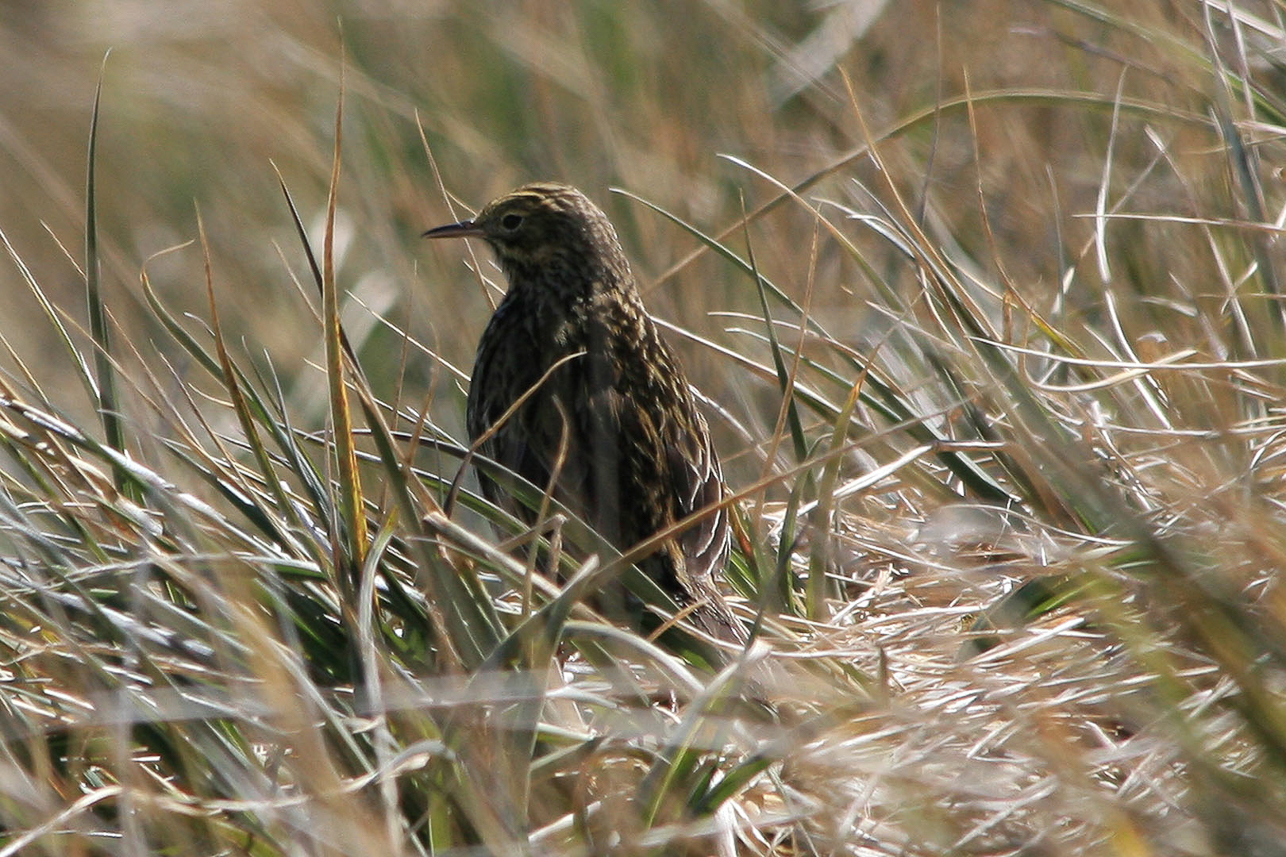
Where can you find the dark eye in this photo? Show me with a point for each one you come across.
(510, 222)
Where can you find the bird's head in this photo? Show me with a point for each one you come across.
(549, 233)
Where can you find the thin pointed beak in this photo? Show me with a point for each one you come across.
(463, 229)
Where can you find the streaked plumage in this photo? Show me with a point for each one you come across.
(639, 455)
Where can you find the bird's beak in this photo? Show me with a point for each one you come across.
(463, 229)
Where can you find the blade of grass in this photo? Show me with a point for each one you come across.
(349, 557)
(107, 403)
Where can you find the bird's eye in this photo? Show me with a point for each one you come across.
(510, 222)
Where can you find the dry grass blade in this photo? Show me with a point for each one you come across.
(352, 535)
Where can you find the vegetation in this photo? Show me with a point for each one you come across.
(985, 304)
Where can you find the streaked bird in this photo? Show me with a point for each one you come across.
(614, 431)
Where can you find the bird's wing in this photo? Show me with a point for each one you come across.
(648, 463)
(655, 455)
(698, 483)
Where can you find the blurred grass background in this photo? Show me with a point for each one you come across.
(201, 99)
(1053, 624)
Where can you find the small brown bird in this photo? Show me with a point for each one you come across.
(638, 453)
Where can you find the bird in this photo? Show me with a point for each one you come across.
(609, 425)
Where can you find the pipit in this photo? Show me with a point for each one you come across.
(614, 432)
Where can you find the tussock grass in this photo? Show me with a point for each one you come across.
(997, 367)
